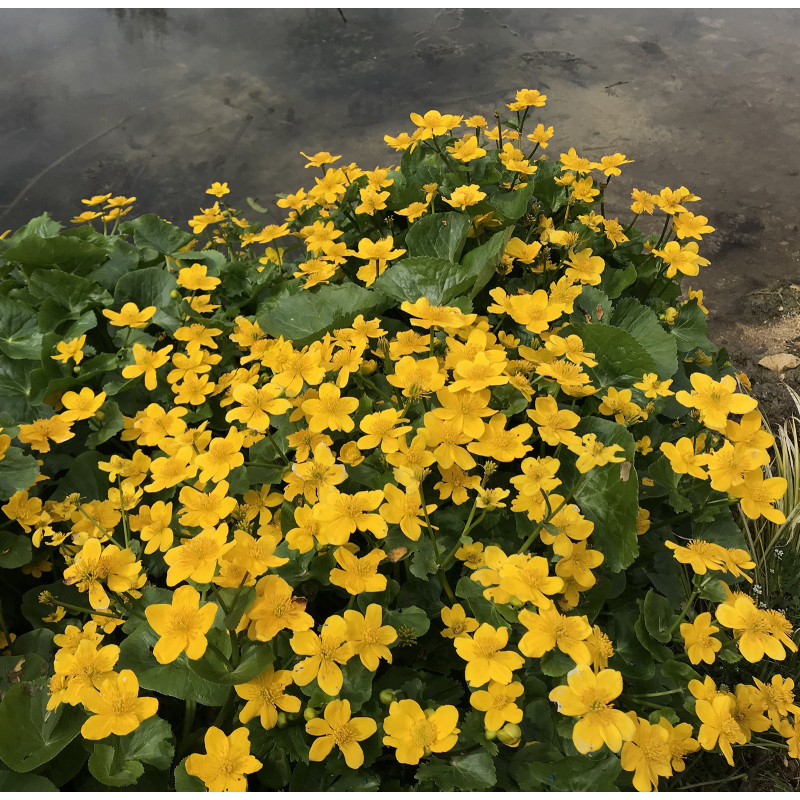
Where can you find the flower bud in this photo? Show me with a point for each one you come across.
(282, 721)
(387, 697)
(310, 713)
(368, 367)
(490, 735)
(175, 294)
(510, 734)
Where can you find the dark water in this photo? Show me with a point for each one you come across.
(160, 103)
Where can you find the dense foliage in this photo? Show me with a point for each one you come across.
(428, 486)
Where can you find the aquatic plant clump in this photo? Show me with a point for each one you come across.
(429, 484)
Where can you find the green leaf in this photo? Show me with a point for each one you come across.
(658, 616)
(111, 424)
(614, 281)
(423, 558)
(643, 325)
(255, 658)
(84, 477)
(512, 205)
(111, 769)
(554, 663)
(38, 734)
(306, 316)
(678, 674)
(435, 278)
(467, 773)
(586, 773)
(152, 742)
(18, 471)
(438, 235)
(145, 287)
(690, 327)
(481, 262)
(61, 252)
(621, 360)
(412, 617)
(20, 336)
(608, 500)
(14, 782)
(592, 303)
(15, 389)
(152, 231)
(69, 291)
(175, 679)
(14, 550)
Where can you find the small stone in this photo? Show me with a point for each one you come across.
(780, 362)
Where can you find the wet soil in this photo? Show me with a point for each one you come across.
(159, 103)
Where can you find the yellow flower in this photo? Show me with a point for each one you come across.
(116, 708)
(464, 196)
(181, 624)
(129, 316)
(548, 629)
(758, 632)
(700, 555)
(265, 695)
(274, 609)
(256, 405)
(358, 575)
(87, 667)
(325, 653)
(218, 189)
(497, 701)
(226, 762)
(471, 555)
(382, 428)
(40, 432)
(341, 514)
(590, 697)
(405, 509)
(527, 98)
(417, 378)
(647, 755)
(330, 411)
(338, 728)
(585, 267)
(457, 622)
(683, 459)
(554, 425)
(368, 637)
(719, 725)
(466, 149)
(222, 456)
(777, 697)
(73, 349)
(205, 509)
(81, 405)
(197, 557)
(757, 496)
(699, 641)
(146, 362)
(485, 657)
(195, 278)
(416, 734)
(715, 399)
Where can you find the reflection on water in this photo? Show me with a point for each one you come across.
(159, 103)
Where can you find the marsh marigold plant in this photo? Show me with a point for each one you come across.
(426, 481)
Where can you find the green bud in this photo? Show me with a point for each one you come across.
(76, 370)
(490, 735)
(387, 697)
(282, 721)
(100, 415)
(292, 716)
(310, 713)
(510, 734)
(429, 712)
(175, 294)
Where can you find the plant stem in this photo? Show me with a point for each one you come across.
(124, 515)
(189, 710)
(530, 540)
(684, 610)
